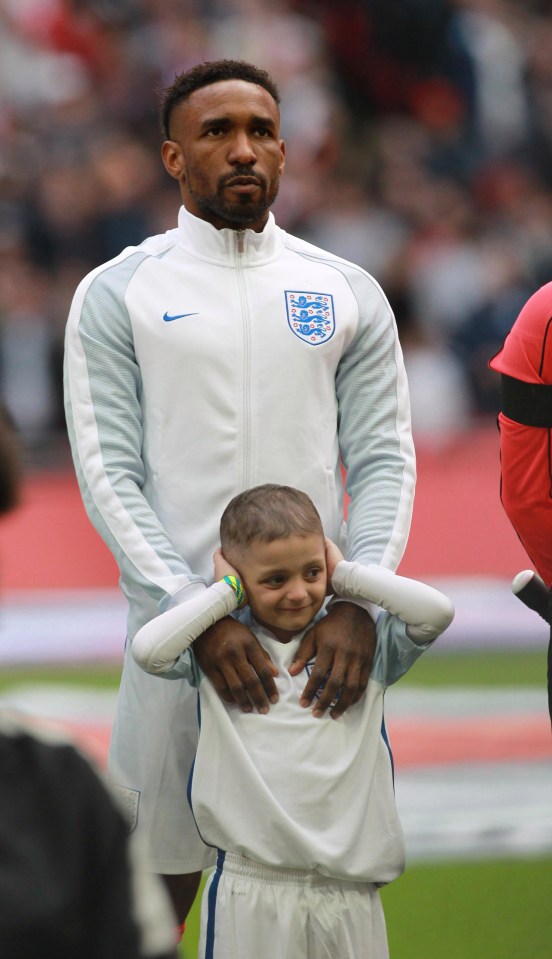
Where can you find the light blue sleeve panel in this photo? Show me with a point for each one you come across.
(375, 435)
(395, 652)
(102, 384)
(185, 667)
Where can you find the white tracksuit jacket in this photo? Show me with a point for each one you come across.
(206, 361)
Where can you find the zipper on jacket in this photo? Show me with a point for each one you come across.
(246, 419)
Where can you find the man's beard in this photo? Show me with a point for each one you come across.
(245, 209)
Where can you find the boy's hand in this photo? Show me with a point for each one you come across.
(239, 668)
(344, 643)
(222, 566)
(333, 557)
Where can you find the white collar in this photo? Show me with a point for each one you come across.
(202, 240)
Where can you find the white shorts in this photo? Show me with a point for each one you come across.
(249, 910)
(152, 749)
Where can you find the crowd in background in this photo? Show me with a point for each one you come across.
(419, 137)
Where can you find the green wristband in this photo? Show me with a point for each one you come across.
(236, 585)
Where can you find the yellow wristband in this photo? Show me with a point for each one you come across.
(236, 585)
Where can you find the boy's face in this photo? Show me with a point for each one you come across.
(285, 582)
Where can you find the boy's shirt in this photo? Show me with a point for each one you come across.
(287, 789)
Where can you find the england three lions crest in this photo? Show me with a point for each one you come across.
(310, 315)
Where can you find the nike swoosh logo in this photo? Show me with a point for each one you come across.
(177, 316)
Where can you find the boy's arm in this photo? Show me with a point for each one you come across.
(426, 611)
(159, 644)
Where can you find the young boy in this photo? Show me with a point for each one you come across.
(301, 809)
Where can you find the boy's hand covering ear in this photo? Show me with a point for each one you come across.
(333, 557)
(224, 568)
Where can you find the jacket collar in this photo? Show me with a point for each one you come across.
(205, 242)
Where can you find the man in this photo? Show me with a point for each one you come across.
(525, 424)
(218, 356)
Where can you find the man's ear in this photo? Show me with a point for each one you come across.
(173, 160)
(283, 159)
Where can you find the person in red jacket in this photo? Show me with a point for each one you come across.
(525, 425)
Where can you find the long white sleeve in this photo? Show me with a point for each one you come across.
(426, 611)
(158, 645)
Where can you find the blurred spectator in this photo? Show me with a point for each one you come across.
(10, 465)
(73, 883)
(486, 39)
(26, 347)
(125, 174)
(348, 219)
(439, 390)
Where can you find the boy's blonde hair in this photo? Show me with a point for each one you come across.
(266, 513)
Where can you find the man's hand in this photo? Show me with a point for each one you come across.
(344, 643)
(239, 668)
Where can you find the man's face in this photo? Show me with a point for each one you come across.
(226, 153)
(285, 582)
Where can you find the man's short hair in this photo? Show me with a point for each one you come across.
(266, 513)
(203, 75)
